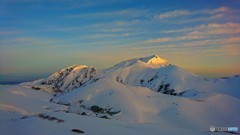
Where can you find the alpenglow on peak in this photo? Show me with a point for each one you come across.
(154, 59)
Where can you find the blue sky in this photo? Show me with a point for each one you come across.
(38, 37)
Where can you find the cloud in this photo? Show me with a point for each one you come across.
(114, 30)
(172, 14)
(101, 35)
(208, 42)
(210, 29)
(17, 40)
(227, 28)
(216, 13)
(232, 40)
(211, 47)
(233, 49)
(158, 40)
(126, 13)
(63, 29)
(200, 19)
(215, 38)
(9, 32)
(178, 38)
(220, 9)
(216, 29)
(61, 4)
(116, 24)
(30, 41)
(123, 27)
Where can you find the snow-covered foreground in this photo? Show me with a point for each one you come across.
(20, 108)
(138, 96)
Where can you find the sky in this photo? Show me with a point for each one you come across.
(39, 37)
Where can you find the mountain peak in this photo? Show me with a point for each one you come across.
(154, 59)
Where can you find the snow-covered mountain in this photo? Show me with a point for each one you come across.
(141, 94)
(65, 80)
(153, 72)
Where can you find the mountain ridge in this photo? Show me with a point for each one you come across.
(152, 72)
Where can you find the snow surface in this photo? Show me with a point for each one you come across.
(133, 95)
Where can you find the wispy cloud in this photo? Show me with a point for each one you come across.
(233, 49)
(117, 24)
(232, 40)
(210, 29)
(123, 27)
(158, 40)
(9, 32)
(101, 35)
(211, 39)
(63, 29)
(16, 40)
(172, 14)
(115, 13)
(218, 10)
(215, 47)
(216, 29)
(178, 38)
(61, 4)
(180, 13)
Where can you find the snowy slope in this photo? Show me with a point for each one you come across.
(24, 111)
(141, 105)
(142, 111)
(65, 80)
(169, 79)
